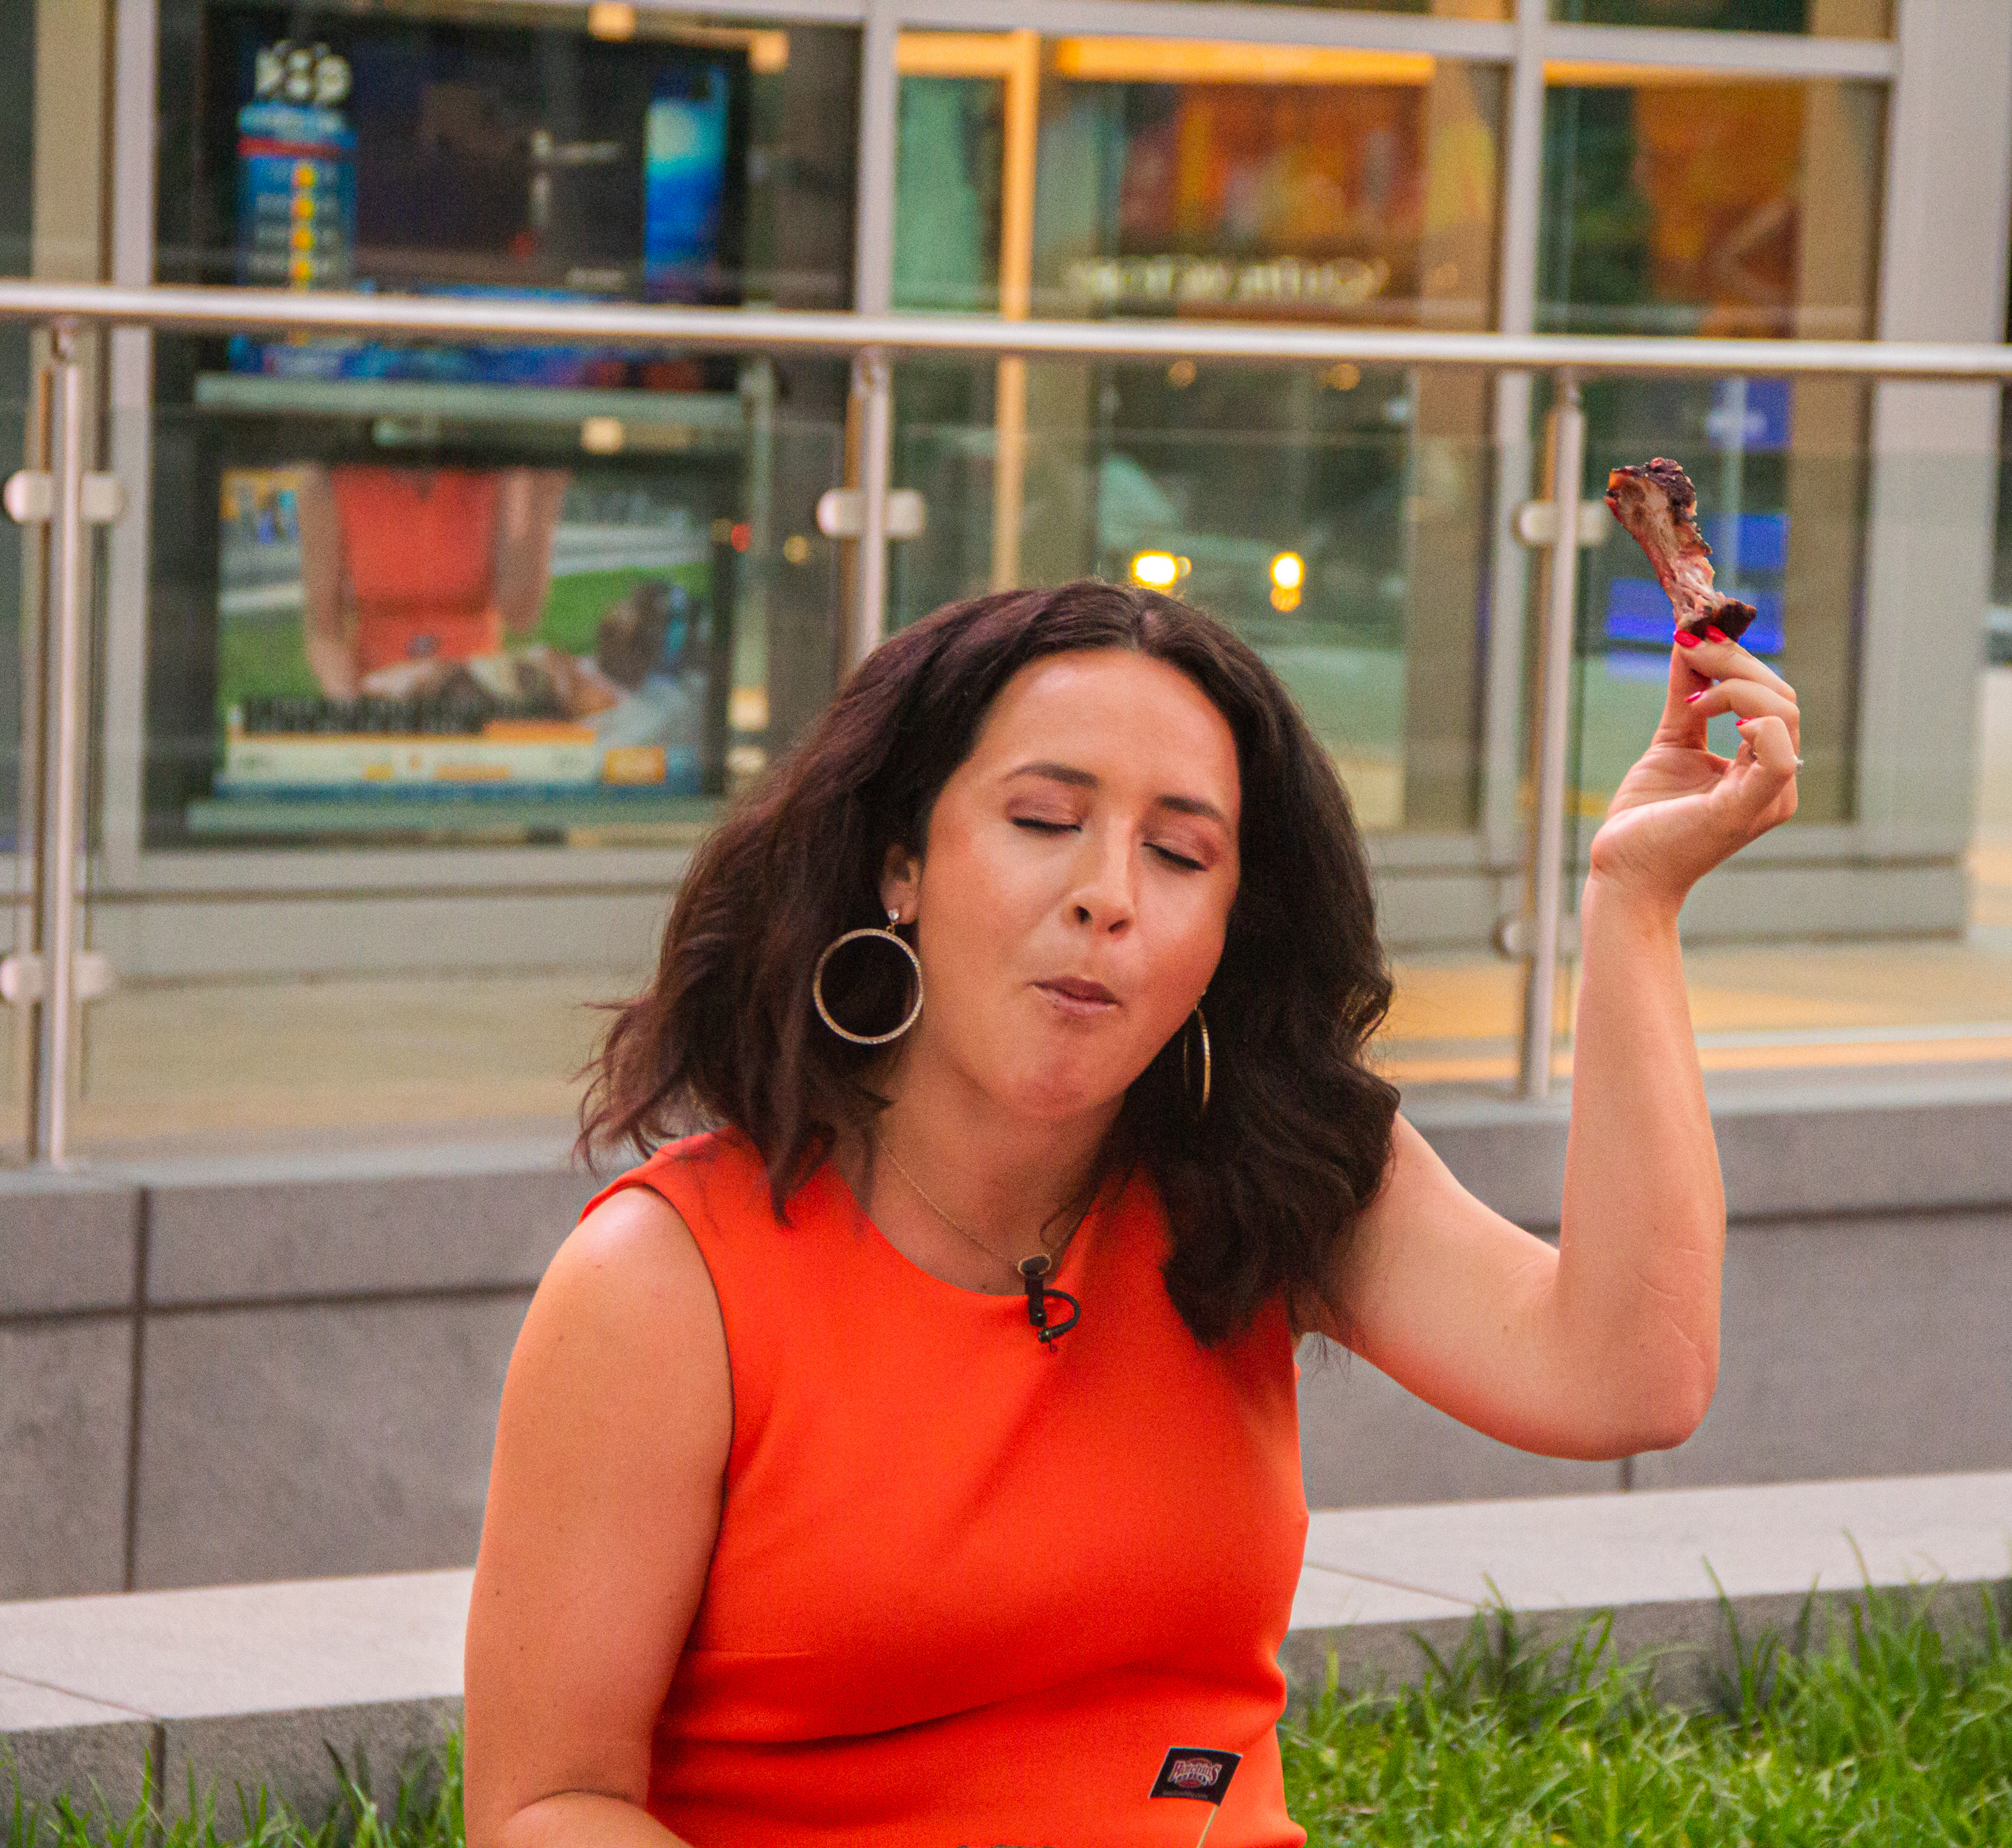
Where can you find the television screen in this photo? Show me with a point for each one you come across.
(427, 156)
(404, 632)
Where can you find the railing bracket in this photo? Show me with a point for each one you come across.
(1515, 936)
(30, 497)
(1537, 524)
(22, 983)
(841, 513)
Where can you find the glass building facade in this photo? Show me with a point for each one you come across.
(438, 657)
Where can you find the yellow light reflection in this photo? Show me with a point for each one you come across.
(1289, 577)
(1158, 571)
(1208, 61)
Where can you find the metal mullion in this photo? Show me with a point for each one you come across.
(172, 874)
(1503, 674)
(873, 293)
(1736, 53)
(753, 12)
(129, 445)
(1210, 19)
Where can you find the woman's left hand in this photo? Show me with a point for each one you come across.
(1683, 808)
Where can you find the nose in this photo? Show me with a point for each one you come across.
(1105, 899)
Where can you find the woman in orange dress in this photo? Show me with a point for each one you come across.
(911, 1457)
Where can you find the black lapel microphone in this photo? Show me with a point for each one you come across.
(1033, 1273)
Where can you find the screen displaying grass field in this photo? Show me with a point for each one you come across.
(547, 636)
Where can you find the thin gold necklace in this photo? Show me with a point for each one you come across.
(1043, 1260)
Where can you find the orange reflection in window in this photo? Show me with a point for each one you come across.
(1719, 168)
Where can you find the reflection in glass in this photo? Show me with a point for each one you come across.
(1739, 209)
(949, 151)
(1818, 18)
(1335, 516)
(439, 589)
(17, 142)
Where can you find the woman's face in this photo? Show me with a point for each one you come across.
(1072, 902)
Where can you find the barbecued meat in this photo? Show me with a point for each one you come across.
(1658, 506)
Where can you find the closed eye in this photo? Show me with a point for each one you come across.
(1036, 825)
(1180, 860)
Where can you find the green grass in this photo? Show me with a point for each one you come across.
(423, 1812)
(1892, 1735)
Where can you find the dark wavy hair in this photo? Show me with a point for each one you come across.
(1262, 1192)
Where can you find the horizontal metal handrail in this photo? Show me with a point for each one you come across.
(284, 310)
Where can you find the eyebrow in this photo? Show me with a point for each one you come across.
(1077, 779)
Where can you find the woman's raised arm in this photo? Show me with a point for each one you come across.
(604, 1504)
(1607, 1344)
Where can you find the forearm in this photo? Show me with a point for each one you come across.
(583, 1819)
(1643, 1234)
(333, 662)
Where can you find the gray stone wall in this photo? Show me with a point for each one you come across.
(221, 1372)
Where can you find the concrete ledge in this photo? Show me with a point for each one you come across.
(241, 1685)
(1667, 1564)
(1801, 1145)
(250, 1684)
(68, 1241)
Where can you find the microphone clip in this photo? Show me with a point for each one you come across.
(1034, 1273)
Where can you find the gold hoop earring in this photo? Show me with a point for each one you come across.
(885, 933)
(1187, 1079)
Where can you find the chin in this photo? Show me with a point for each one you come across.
(1058, 1096)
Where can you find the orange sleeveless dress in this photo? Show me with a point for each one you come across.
(420, 547)
(967, 1591)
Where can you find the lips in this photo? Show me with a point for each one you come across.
(1074, 995)
(1077, 989)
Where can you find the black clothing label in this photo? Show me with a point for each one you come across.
(1195, 1772)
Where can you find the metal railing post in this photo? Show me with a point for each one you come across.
(1565, 462)
(62, 774)
(874, 380)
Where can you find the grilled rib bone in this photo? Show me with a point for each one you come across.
(1658, 506)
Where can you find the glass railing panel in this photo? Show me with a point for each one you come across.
(385, 915)
(1816, 18)
(1336, 518)
(463, 610)
(313, 987)
(1872, 933)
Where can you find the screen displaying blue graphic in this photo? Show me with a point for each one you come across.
(428, 158)
(1637, 611)
(296, 196)
(684, 180)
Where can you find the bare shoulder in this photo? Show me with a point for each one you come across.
(627, 1316)
(633, 1249)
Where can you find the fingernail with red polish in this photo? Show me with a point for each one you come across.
(1718, 635)
(1686, 639)
(1691, 699)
